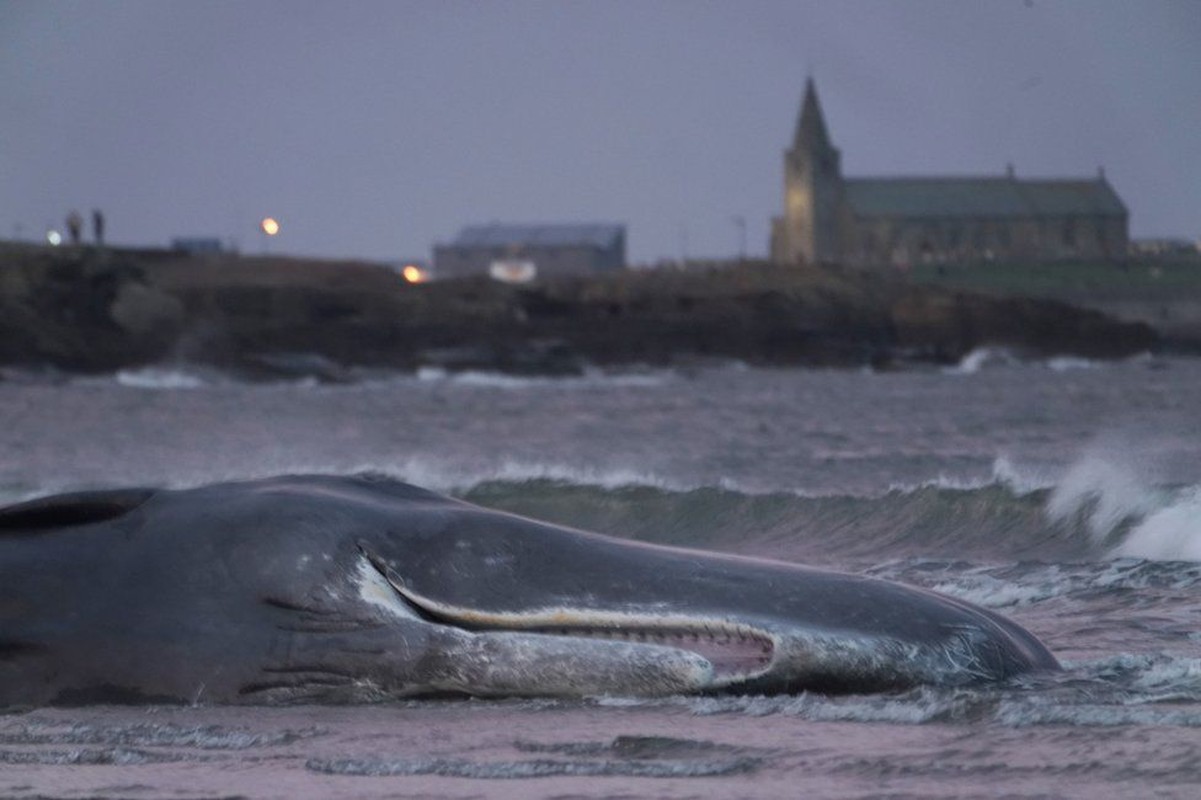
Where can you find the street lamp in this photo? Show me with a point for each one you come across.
(270, 227)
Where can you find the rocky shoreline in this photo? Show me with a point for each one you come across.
(93, 311)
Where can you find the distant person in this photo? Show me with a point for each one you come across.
(75, 227)
(98, 226)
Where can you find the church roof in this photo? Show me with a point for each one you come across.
(981, 197)
(551, 235)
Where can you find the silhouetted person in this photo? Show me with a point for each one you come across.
(98, 226)
(75, 227)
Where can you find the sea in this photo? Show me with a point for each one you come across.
(1063, 493)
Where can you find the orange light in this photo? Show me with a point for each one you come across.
(413, 274)
(270, 226)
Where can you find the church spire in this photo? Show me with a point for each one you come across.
(811, 133)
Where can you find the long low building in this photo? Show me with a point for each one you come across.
(519, 253)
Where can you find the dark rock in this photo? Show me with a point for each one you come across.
(270, 318)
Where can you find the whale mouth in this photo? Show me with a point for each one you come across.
(736, 651)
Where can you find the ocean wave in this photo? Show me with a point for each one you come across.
(1000, 518)
(989, 522)
(462, 479)
(1115, 497)
(1099, 509)
(1022, 479)
(988, 358)
(1171, 532)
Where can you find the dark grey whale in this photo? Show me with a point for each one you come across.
(353, 589)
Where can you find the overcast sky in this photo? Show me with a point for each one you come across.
(376, 129)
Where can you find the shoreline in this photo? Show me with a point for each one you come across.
(84, 310)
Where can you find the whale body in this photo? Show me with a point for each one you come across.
(310, 588)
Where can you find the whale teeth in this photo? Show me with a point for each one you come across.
(737, 651)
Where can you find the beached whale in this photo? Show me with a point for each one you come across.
(354, 589)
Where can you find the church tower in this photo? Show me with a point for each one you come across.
(809, 230)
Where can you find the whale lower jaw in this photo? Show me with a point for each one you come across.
(669, 652)
(638, 652)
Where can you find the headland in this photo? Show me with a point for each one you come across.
(95, 310)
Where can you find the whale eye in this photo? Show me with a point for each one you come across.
(76, 508)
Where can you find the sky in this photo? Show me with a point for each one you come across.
(377, 129)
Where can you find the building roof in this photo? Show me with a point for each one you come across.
(982, 197)
(557, 235)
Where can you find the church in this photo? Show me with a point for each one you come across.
(829, 218)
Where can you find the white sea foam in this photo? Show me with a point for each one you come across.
(991, 357)
(1169, 533)
(948, 482)
(1105, 490)
(992, 592)
(159, 378)
(1067, 363)
(1116, 498)
(1021, 479)
(1174, 674)
(497, 380)
(447, 478)
(981, 358)
(457, 478)
(431, 374)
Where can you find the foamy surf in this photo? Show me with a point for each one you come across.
(592, 378)
(163, 378)
(988, 358)
(1120, 505)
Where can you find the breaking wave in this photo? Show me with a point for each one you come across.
(987, 358)
(994, 520)
(1122, 508)
(1107, 505)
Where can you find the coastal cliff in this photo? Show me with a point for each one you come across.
(94, 311)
